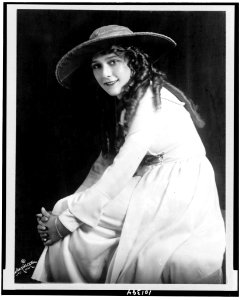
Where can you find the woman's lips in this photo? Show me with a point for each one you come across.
(109, 83)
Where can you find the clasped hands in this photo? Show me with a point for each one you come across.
(50, 229)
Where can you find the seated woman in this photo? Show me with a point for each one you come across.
(148, 212)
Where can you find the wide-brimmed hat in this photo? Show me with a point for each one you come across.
(152, 43)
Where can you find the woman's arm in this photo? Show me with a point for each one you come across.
(95, 173)
(50, 230)
(87, 206)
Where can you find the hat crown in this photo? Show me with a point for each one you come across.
(110, 31)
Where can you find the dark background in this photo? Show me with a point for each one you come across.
(57, 129)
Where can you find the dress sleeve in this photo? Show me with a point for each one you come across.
(87, 206)
(95, 173)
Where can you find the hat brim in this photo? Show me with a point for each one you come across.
(79, 57)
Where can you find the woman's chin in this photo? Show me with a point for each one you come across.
(113, 93)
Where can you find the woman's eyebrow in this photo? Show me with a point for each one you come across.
(112, 56)
(95, 60)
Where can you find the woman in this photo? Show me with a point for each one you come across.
(148, 212)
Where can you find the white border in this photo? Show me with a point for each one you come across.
(8, 274)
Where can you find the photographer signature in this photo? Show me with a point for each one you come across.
(25, 267)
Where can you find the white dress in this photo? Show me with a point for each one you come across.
(157, 224)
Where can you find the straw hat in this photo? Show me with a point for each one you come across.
(153, 43)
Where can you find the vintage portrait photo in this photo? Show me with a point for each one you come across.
(119, 149)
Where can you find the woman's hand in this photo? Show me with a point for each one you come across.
(46, 228)
(41, 219)
(50, 228)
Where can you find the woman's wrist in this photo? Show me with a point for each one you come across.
(62, 231)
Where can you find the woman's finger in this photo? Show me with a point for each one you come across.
(45, 213)
(39, 216)
(43, 234)
(48, 243)
(41, 228)
(44, 240)
(44, 219)
(41, 223)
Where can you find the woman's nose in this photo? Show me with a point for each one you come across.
(106, 71)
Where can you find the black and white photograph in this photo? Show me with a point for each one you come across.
(119, 149)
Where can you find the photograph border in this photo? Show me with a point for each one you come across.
(9, 287)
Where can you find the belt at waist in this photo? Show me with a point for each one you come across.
(151, 160)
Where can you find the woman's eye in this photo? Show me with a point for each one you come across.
(95, 67)
(113, 62)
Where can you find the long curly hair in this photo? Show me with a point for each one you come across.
(144, 74)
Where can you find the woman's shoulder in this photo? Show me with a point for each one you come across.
(170, 97)
(146, 103)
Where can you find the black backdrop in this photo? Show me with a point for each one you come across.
(57, 129)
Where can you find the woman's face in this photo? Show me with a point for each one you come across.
(111, 72)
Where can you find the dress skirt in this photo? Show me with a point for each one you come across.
(164, 227)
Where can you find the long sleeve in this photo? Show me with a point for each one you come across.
(95, 173)
(87, 206)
